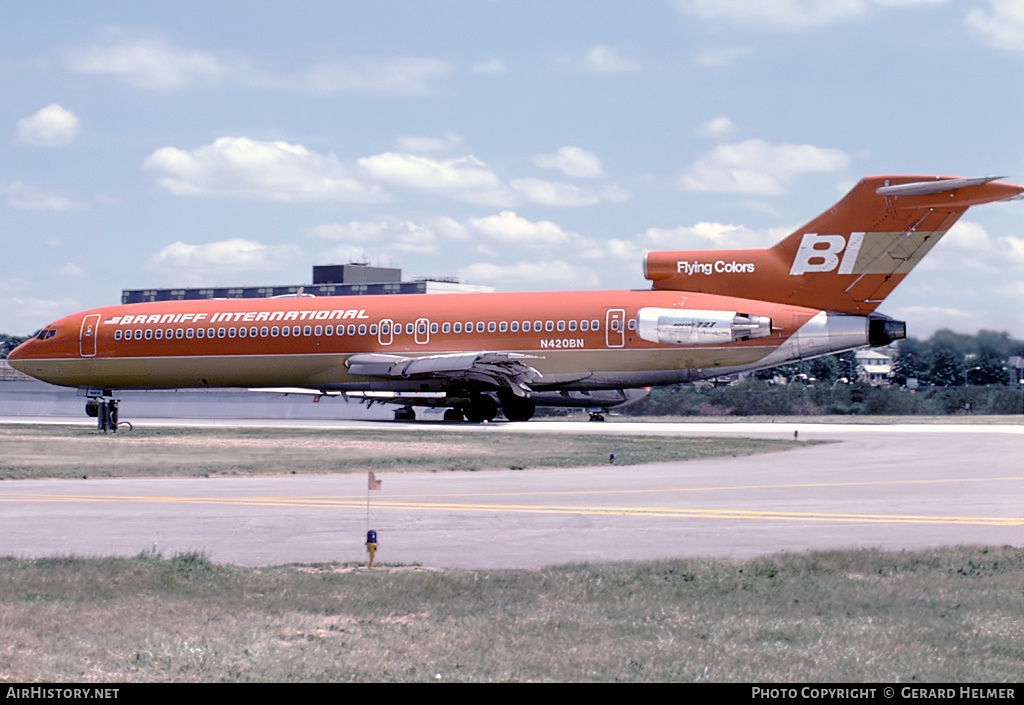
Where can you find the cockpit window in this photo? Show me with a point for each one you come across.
(46, 334)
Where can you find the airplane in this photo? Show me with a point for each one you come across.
(707, 313)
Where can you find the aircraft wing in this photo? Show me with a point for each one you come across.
(510, 371)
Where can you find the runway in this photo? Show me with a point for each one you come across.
(890, 487)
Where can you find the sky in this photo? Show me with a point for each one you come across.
(521, 144)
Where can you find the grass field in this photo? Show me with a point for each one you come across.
(76, 451)
(953, 615)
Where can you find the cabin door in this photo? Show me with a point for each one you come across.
(615, 328)
(384, 335)
(422, 331)
(87, 338)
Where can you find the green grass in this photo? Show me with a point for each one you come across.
(75, 451)
(951, 615)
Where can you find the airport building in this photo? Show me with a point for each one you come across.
(353, 279)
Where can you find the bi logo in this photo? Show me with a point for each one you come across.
(820, 253)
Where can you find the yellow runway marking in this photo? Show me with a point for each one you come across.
(379, 503)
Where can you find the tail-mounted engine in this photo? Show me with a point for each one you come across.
(673, 326)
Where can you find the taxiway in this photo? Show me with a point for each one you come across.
(889, 487)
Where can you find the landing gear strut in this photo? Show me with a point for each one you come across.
(104, 409)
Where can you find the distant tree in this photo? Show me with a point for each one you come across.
(826, 370)
(909, 362)
(945, 364)
(9, 342)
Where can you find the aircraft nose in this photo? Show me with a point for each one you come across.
(19, 352)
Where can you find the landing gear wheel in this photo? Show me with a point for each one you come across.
(482, 408)
(453, 415)
(406, 413)
(597, 417)
(518, 408)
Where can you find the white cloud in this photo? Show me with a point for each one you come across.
(700, 236)
(1002, 24)
(147, 63)
(26, 197)
(717, 127)
(226, 255)
(529, 275)
(516, 230)
(466, 178)
(157, 64)
(553, 193)
(967, 245)
(415, 143)
(790, 14)
(604, 59)
(786, 14)
(245, 168)
(404, 74)
(573, 161)
(53, 126)
(756, 167)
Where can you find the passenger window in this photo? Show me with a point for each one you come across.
(241, 332)
(584, 326)
(138, 334)
(209, 332)
(169, 333)
(221, 332)
(572, 326)
(318, 331)
(409, 328)
(274, 332)
(286, 331)
(307, 331)
(362, 329)
(491, 327)
(479, 326)
(158, 334)
(264, 331)
(537, 326)
(515, 326)
(595, 325)
(296, 331)
(632, 324)
(433, 328)
(351, 329)
(189, 333)
(200, 332)
(231, 332)
(458, 327)
(117, 334)
(526, 326)
(149, 334)
(502, 327)
(373, 329)
(549, 326)
(561, 326)
(329, 330)
(446, 328)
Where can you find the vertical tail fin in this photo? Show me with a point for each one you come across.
(849, 258)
